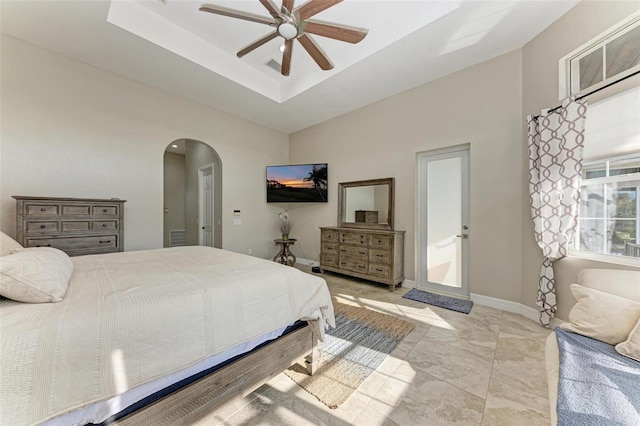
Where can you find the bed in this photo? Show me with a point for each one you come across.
(131, 325)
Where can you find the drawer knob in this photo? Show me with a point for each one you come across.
(363, 253)
(104, 210)
(45, 245)
(378, 269)
(105, 242)
(104, 225)
(360, 266)
(43, 226)
(379, 255)
(43, 209)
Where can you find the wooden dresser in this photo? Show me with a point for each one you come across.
(76, 226)
(375, 255)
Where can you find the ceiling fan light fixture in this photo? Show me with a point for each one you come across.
(287, 30)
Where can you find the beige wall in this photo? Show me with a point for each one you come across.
(69, 129)
(72, 130)
(481, 106)
(484, 106)
(540, 90)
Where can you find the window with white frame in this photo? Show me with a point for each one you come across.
(609, 215)
(609, 221)
(609, 57)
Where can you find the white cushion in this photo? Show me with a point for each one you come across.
(602, 316)
(631, 346)
(35, 275)
(8, 245)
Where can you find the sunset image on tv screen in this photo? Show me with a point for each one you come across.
(297, 184)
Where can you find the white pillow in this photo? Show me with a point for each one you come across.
(602, 316)
(631, 347)
(35, 275)
(8, 245)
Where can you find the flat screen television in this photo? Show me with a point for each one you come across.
(298, 183)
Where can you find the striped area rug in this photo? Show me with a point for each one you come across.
(360, 342)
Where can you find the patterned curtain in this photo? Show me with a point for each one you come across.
(556, 139)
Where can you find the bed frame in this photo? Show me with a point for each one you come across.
(232, 382)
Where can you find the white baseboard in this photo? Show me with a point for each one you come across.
(491, 302)
(408, 284)
(307, 262)
(513, 307)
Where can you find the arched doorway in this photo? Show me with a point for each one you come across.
(192, 194)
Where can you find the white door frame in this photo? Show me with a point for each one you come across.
(421, 220)
(201, 171)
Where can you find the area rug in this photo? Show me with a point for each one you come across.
(451, 303)
(360, 342)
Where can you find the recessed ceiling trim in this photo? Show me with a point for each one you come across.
(177, 28)
(139, 20)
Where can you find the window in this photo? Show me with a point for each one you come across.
(609, 221)
(609, 215)
(607, 58)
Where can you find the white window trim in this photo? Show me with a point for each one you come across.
(607, 258)
(564, 64)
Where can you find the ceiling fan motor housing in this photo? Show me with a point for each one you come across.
(287, 30)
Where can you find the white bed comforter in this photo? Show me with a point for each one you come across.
(129, 318)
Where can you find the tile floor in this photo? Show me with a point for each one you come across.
(485, 368)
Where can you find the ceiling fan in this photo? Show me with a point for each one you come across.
(294, 24)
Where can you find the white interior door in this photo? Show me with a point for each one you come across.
(205, 205)
(443, 226)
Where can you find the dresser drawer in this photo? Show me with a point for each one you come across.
(357, 252)
(380, 241)
(39, 209)
(104, 225)
(328, 260)
(76, 209)
(353, 238)
(327, 235)
(33, 227)
(75, 225)
(329, 248)
(379, 256)
(102, 242)
(379, 270)
(104, 210)
(353, 264)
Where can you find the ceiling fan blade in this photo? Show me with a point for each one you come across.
(286, 57)
(288, 4)
(316, 53)
(313, 7)
(335, 32)
(271, 7)
(257, 44)
(236, 14)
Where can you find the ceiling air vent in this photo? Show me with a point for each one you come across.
(274, 65)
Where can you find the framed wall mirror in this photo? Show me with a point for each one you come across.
(366, 204)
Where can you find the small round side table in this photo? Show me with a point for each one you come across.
(285, 256)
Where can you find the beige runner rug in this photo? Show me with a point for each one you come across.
(361, 340)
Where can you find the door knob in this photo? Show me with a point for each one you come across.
(462, 235)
